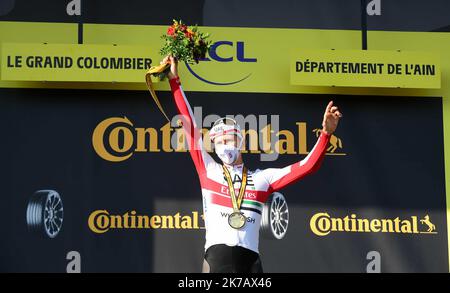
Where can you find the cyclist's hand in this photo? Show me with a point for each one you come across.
(331, 118)
(173, 73)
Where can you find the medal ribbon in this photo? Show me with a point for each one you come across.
(148, 81)
(236, 201)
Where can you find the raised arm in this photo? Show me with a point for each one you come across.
(278, 178)
(200, 157)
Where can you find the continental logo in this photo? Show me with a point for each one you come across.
(116, 139)
(322, 224)
(101, 221)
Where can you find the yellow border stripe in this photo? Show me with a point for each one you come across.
(276, 58)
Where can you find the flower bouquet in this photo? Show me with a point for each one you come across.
(185, 43)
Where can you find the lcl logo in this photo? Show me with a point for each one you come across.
(239, 56)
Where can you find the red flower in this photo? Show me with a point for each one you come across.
(183, 28)
(170, 31)
(189, 35)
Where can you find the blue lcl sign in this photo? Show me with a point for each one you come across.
(214, 56)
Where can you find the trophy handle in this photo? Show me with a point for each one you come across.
(148, 80)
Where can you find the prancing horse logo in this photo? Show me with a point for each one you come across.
(334, 141)
(426, 221)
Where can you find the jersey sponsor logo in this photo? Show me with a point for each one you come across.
(322, 224)
(248, 194)
(220, 190)
(238, 179)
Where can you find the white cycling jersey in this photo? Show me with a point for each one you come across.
(217, 204)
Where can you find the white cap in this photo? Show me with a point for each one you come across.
(224, 126)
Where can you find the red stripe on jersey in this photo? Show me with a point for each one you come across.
(213, 186)
(220, 200)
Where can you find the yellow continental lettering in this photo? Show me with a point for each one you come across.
(337, 224)
(155, 222)
(397, 225)
(166, 135)
(320, 224)
(195, 220)
(115, 221)
(286, 145)
(143, 222)
(98, 138)
(186, 222)
(414, 224)
(406, 226)
(266, 139)
(375, 225)
(387, 225)
(353, 223)
(177, 220)
(302, 143)
(363, 225)
(127, 139)
(141, 139)
(98, 221)
(167, 222)
(133, 219)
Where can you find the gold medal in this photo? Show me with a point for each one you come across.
(236, 220)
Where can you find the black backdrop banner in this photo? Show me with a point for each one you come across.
(388, 168)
